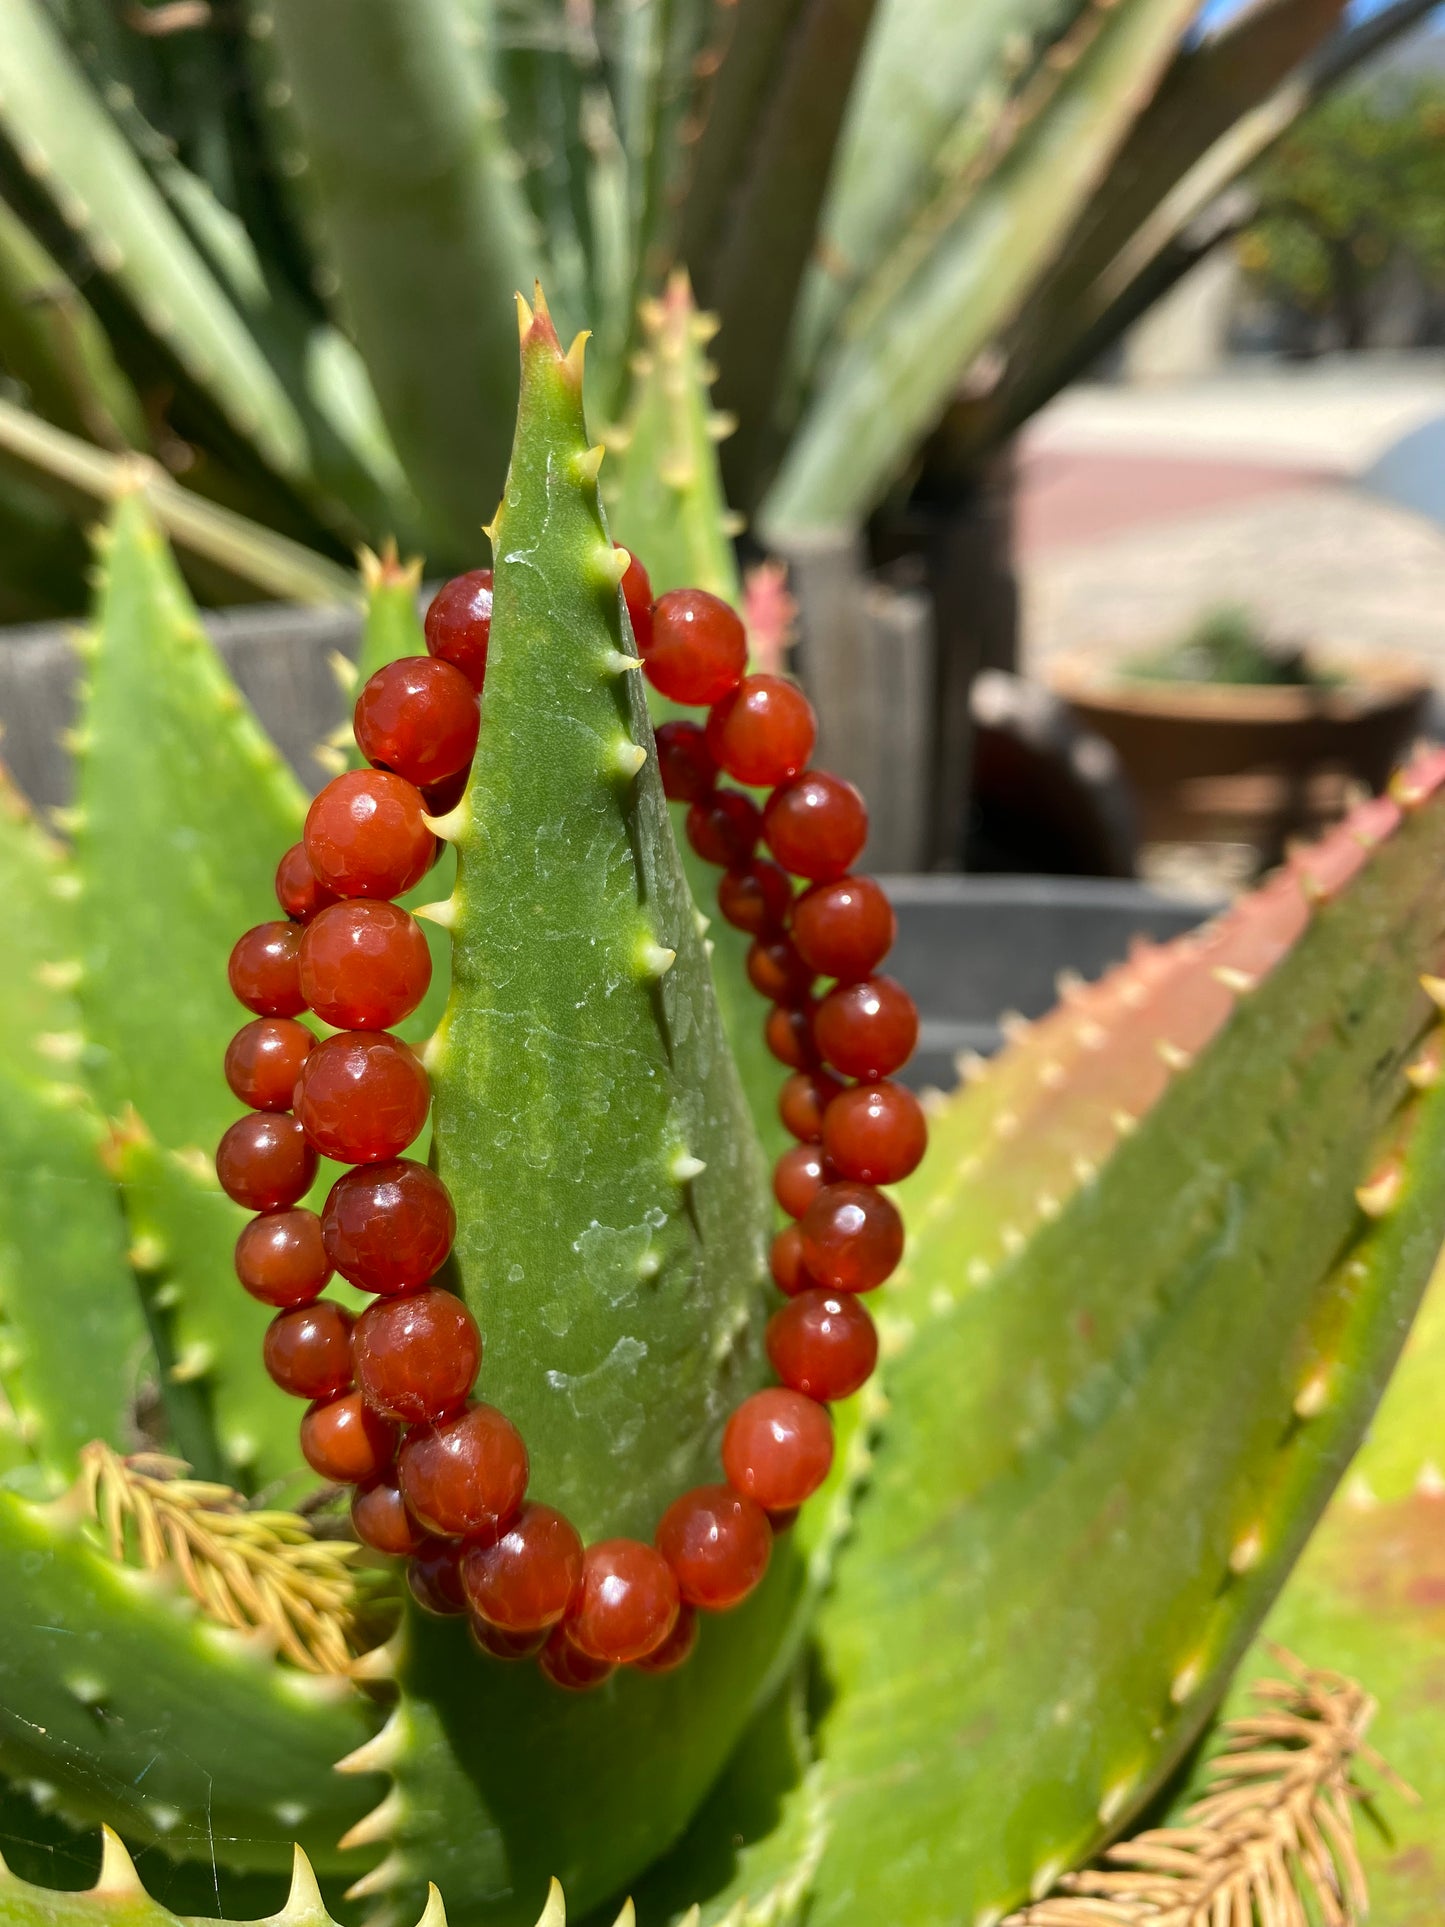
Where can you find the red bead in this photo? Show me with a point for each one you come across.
(264, 1162)
(785, 1261)
(763, 732)
(388, 1227)
(717, 1543)
(379, 1519)
(362, 1096)
(280, 1258)
(364, 966)
(698, 648)
(676, 1649)
(527, 1580)
(823, 1344)
(867, 1029)
(798, 1176)
(756, 899)
(777, 972)
(299, 890)
(777, 1448)
(419, 717)
(875, 1133)
(263, 1062)
(466, 1475)
(844, 929)
(434, 1576)
(852, 1237)
(804, 1098)
(724, 828)
(440, 797)
(788, 1030)
(627, 1603)
(307, 1350)
(637, 594)
(816, 825)
(416, 1356)
(459, 623)
(499, 1645)
(365, 835)
(565, 1666)
(263, 970)
(683, 757)
(344, 1441)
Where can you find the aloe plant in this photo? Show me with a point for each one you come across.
(1162, 1255)
(273, 246)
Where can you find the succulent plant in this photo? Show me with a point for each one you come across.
(272, 246)
(1162, 1255)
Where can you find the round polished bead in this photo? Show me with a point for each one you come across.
(756, 899)
(816, 825)
(496, 1644)
(433, 1574)
(804, 1098)
(676, 1649)
(362, 1096)
(875, 1133)
(526, 1581)
(798, 1176)
(777, 1448)
(379, 1519)
(307, 1350)
(763, 732)
(566, 1666)
(698, 648)
(867, 1029)
(388, 1227)
(823, 1344)
(264, 1060)
(627, 1603)
(777, 972)
(852, 1237)
(264, 1162)
(788, 1030)
(264, 972)
(343, 1440)
(718, 1545)
(459, 623)
(844, 929)
(637, 594)
(438, 798)
(724, 828)
(364, 966)
(419, 717)
(280, 1258)
(299, 890)
(785, 1261)
(683, 757)
(416, 1356)
(466, 1475)
(366, 837)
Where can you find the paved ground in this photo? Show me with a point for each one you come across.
(1140, 507)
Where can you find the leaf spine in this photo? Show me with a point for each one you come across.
(451, 827)
(655, 959)
(118, 1877)
(1247, 1550)
(587, 465)
(609, 565)
(381, 1752)
(554, 1913)
(1239, 981)
(378, 1825)
(1311, 1398)
(386, 1874)
(304, 1899)
(617, 663)
(1379, 1194)
(685, 1167)
(626, 758)
(434, 1914)
(445, 913)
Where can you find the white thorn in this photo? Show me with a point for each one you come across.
(381, 1752)
(305, 1896)
(655, 958)
(685, 1167)
(387, 1873)
(379, 1664)
(1310, 1398)
(434, 1050)
(1239, 981)
(1173, 1056)
(1247, 1551)
(452, 826)
(1045, 1879)
(444, 913)
(626, 758)
(627, 1917)
(1115, 1799)
(434, 1914)
(1186, 1680)
(117, 1870)
(611, 565)
(378, 1825)
(615, 663)
(554, 1914)
(700, 923)
(586, 466)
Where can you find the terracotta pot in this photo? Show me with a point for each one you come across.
(1247, 763)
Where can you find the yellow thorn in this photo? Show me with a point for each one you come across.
(627, 758)
(970, 1066)
(685, 1167)
(118, 1877)
(389, 1872)
(732, 522)
(453, 825)
(1378, 1196)
(434, 1914)
(700, 923)
(524, 317)
(148, 1253)
(655, 959)
(444, 913)
(64, 975)
(554, 1914)
(194, 1362)
(376, 1826)
(345, 672)
(611, 564)
(615, 663)
(703, 327)
(1247, 1550)
(587, 465)
(61, 1046)
(720, 424)
(304, 1901)
(1124, 1122)
(1115, 1799)
(1092, 1036)
(1014, 1025)
(1172, 1055)
(1434, 989)
(628, 1916)
(434, 1050)
(1430, 1484)
(1239, 981)
(1186, 1680)
(1310, 1398)
(379, 1664)
(382, 1751)
(575, 359)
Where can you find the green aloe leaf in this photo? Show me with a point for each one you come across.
(184, 809)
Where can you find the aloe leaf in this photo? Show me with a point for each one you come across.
(1111, 1427)
(254, 555)
(184, 808)
(125, 1704)
(76, 1354)
(665, 496)
(428, 232)
(963, 268)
